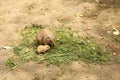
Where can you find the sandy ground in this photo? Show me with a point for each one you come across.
(93, 20)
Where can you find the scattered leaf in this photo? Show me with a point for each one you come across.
(7, 47)
(116, 32)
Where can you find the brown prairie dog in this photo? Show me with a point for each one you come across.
(45, 37)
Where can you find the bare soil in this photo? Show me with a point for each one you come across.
(94, 20)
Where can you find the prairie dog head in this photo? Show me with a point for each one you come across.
(50, 40)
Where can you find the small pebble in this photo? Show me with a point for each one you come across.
(94, 17)
(114, 54)
(108, 32)
(101, 34)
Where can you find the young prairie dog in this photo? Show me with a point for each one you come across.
(45, 37)
(42, 48)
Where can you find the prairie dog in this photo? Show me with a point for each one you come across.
(45, 37)
(42, 48)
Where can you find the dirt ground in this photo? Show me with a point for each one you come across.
(94, 20)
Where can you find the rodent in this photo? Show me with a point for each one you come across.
(42, 48)
(45, 37)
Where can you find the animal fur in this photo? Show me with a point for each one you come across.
(45, 37)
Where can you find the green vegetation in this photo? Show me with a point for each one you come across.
(69, 47)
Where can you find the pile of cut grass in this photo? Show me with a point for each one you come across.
(69, 47)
